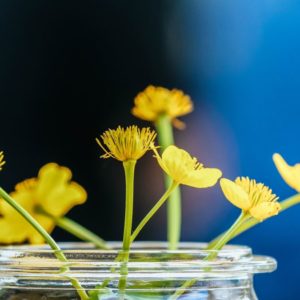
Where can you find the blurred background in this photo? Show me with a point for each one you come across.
(70, 69)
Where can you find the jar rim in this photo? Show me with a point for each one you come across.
(115, 247)
(144, 255)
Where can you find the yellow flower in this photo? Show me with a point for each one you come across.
(154, 102)
(290, 174)
(126, 144)
(2, 162)
(52, 191)
(184, 169)
(252, 197)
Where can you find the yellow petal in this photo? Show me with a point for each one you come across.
(177, 163)
(154, 102)
(265, 210)
(13, 231)
(172, 153)
(235, 194)
(62, 199)
(54, 191)
(290, 174)
(159, 159)
(202, 178)
(51, 175)
(24, 198)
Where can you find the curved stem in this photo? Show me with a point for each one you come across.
(81, 232)
(129, 167)
(285, 204)
(165, 139)
(217, 246)
(229, 233)
(75, 229)
(124, 256)
(154, 209)
(214, 242)
(50, 241)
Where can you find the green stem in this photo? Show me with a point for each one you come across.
(242, 224)
(166, 138)
(154, 209)
(129, 167)
(123, 272)
(50, 241)
(285, 204)
(217, 246)
(214, 242)
(228, 234)
(81, 232)
(75, 229)
(124, 255)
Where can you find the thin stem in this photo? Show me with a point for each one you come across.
(285, 204)
(50, 241)
(124, 255)
(228, 234)
(217, 246)
(123, 272)
(165, 139)
(154, 209)
(242, 224)
(129, 167)
(183, 288)
(214, 242)
(81, 232)
(75, 229)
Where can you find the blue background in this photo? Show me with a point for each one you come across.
(70, 69)
(241, 59)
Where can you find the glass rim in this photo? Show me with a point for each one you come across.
(116, 247)
(147, 256)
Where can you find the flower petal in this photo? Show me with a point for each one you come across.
(54, 191)
(265, 210)
(202, 178)
(172, 152)
(13, 230)
(154, 102)
(290, 174)
(62, 199)
(235, 194)
(24, 198)
(51, 175)
(159, 159)
(177, 163)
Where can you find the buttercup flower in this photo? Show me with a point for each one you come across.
(52, 191)
(126, 144)
(2, 162)
(154, 102)
(290, 174)
(252, 197)
(184, 169)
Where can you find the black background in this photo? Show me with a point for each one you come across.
(69, 70)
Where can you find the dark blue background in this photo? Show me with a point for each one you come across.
(242, 58)
(70, 69)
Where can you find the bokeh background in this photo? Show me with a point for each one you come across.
(70, 69)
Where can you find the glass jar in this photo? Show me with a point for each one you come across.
(152, 272)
